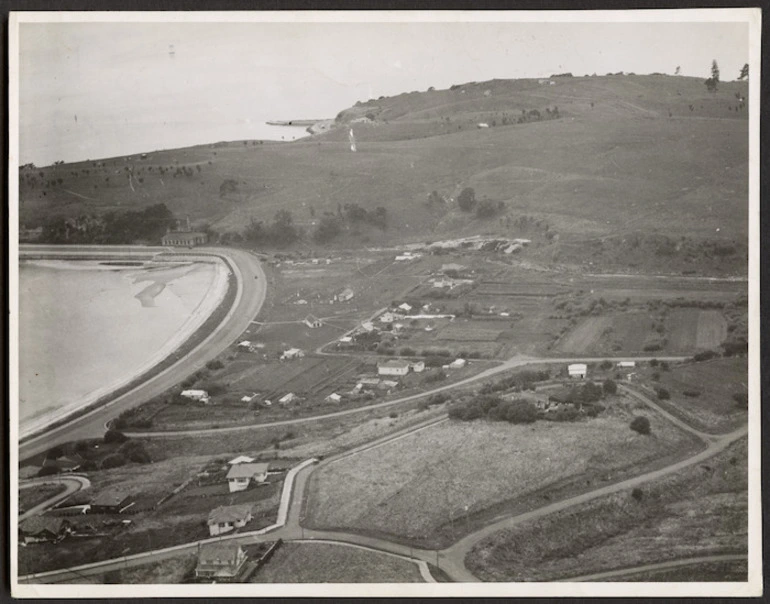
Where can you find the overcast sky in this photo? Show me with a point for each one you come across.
(90, 90)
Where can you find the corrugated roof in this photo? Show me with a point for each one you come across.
(247, 470)
(229, 513)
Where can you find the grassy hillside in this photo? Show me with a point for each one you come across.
(611, 167)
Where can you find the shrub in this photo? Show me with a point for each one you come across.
(393, 415)
(640, 424)
(704, 355)
(653, 362)
(214, 388)
(609, 387)
(113, 436)
(407, 352)
(113, 461)
(692, 393)
(135, 452)
(656, 375)
(663, 394)
(214, 365)
(54, 453)
(605, 365)
(637, 494)
(48, 471)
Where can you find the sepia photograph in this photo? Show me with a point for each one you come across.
(371, 303)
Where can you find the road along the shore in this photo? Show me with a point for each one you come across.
(251, 284)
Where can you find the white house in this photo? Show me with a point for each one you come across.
(345, 295)
(292, 353)
(333, 398)
(405, 307)
(387, 317)
(288, 398)
(220, 561)
(367, 326)
(248, 398)
(393, 367)
(241, 474)
(457, 364)
(627, 364)
(418, 366)
(240, 459)
(196, 395)
(577, 370)
(226, 518)
(245, 344)
(312, 322)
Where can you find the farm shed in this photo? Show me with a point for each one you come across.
(457, 364)
(39, 529)
(288, 398)
(240, 475)
(111, 502)
(196, 395)
(292, 353)
(333, 398)
(226, 518)
(394, 367)
(577, 370)
(627, 364)
(345, 295)
(367, 326)
(240, 459)
(223, 561)
(312, 322)
(418, 366)
(387, 317)
(405, 307)
(245, 344)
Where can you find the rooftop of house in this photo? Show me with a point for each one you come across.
(246, 470)
(110, 498)
(229, 513)
(394, 364)
(219, 554)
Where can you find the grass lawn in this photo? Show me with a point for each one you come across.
(438, 484)
(32, 496)
(716, 381)
(327, 563)
(699, 511)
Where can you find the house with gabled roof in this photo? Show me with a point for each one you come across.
(393, 367)
(312, 322)
(220, 561)
(240, 475)
(226, 518)
(39, 529)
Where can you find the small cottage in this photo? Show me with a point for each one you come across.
(577, 370)
(393, 367)
(40, 529)
(312, 322)
(227, 518)
(240, 475)
(220, 561)
(111, 502)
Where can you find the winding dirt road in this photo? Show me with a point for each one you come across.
(248, 302)
(73, 483)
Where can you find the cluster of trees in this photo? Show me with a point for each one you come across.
(517, 411)
(281, 232)
(523, 380)
(149, 224)
(351, 214)
(467, 202)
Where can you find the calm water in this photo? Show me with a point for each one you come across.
(84, 329)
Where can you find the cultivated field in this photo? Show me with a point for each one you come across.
(435, 485)
(699, 511)
(310, 562)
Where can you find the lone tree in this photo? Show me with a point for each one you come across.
(641, 425)
(678, 70)
(744, 72)
(712, 83)
(467, 199)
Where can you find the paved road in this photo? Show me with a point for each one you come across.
(624, 572)
(248, 302)
(73, 483)
(451, 559)
(512, 363)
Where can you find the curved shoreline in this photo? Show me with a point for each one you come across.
(164, 358)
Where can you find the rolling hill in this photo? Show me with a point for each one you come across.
(647, 171)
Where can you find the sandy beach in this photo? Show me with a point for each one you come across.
(87, 329)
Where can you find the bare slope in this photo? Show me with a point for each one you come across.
(624, 155)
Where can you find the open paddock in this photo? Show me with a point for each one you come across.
(309, 562)
(440, 483)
